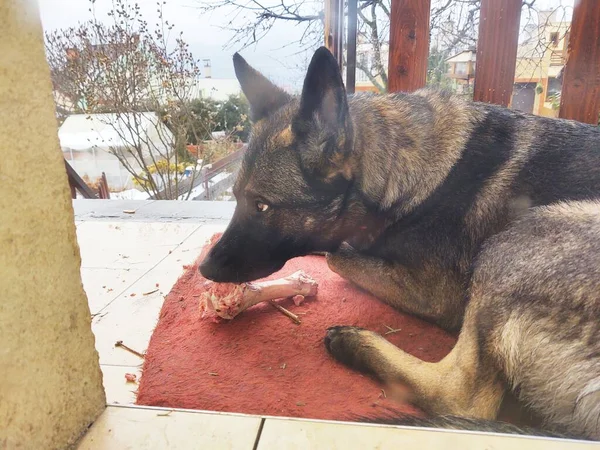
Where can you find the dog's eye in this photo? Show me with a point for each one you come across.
(261, 207)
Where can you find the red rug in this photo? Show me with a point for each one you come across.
(262, 363)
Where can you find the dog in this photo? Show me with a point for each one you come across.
(477, 218)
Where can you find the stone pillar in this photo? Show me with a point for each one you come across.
(50, 378)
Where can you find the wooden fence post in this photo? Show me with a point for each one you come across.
(497, 51)
(334, 28)
(580, 97)
(351, 46)
(409, 45)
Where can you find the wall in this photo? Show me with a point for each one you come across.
(50, 379)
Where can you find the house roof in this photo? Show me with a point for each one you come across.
(464, 56)
(81, 132)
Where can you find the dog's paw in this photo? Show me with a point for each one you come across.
(346, 345)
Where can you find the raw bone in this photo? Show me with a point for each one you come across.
(227, 300)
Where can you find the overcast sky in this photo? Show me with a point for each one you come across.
(207, 39)
(202, 32)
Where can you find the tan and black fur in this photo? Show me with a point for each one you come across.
(472, 216)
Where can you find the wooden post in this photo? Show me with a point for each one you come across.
(76, 181)
(334, 26)
(104, 192)
(351, 46)
(341, 27)
(409, 45)
(73, 190)
(580, 97)
(497, 51)
(327, 25)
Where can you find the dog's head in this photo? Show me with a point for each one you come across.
(293, 186)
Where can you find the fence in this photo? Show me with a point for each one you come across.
(496, 51)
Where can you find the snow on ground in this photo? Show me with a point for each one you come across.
(134, 194)
(129, 194)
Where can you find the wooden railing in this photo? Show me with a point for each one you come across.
(206, 175)
(496, 51)
(77, 184)
(224, 164)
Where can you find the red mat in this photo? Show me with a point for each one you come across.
(262, 363)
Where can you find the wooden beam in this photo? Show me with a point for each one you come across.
(580, 97)
(103, 191)
(75, 181)
(497, 50)
(351, 46)
(334, 20)
(341, 16)
(327, 25)
(409, 45)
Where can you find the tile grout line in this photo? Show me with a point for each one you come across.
(149, 270)
(258, 435)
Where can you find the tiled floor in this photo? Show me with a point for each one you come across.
(129, 263)
(153, 428)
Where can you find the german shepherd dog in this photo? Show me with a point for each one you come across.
(472, 216)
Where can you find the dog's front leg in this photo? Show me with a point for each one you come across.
(463, 383)
(410, 291)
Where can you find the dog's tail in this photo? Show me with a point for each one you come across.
(460, 423)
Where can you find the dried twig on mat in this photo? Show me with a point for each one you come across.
(391, 330)
(227, 300)
(285, 312)
(130, 350)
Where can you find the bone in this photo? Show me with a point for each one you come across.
(227, 300)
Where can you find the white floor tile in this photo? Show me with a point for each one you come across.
(118, 390)
(298, 434)
(126, 275)
(133, 245)
(147, 429)
(189, 251)
(132, 316)
(104, 285)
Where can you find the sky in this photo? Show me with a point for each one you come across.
(207, 38)
(204, 34)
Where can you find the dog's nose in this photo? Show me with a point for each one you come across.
(207, 269)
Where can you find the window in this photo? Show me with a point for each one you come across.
(554, 39)
(461, 68)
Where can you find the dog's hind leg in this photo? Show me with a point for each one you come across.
(441, 302)
(464, 383)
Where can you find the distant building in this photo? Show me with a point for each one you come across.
(540, 61)
(365, 58)
(461, 69)
(89, 142)
(219, 89)
(541, 57)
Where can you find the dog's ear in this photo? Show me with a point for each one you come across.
(323, 95)
(264, 97)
